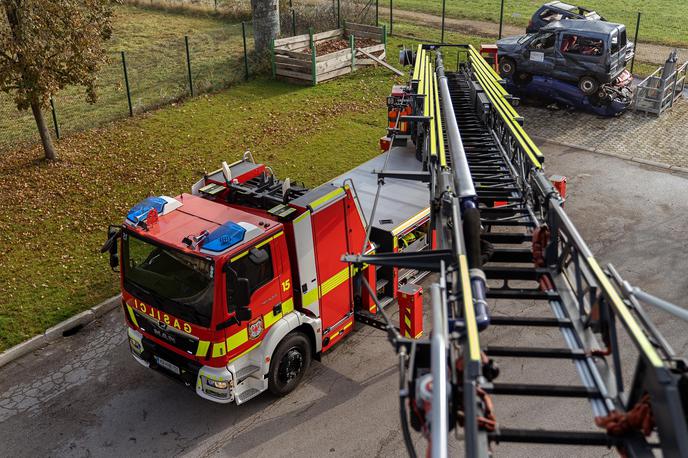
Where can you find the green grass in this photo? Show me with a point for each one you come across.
(54, 215)
(156, 58)
(663, 21)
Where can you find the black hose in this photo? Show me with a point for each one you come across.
(403, 414)
(471, 231)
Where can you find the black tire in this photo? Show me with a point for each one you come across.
(289, 364)
(522, 78)
(507, 67)
(588, 85)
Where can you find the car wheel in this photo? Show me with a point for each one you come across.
(289, 364)
(522, 78)
(588, 85)
(507, 66)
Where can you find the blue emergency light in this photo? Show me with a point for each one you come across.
(139, 212)
(224, 237)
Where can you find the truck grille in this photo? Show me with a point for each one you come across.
(167, 334)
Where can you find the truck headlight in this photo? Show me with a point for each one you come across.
(135, 345)
(219, 384)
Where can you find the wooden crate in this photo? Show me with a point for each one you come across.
(291, 60)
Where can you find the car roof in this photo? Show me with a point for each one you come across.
(582, 25)
(561, 5)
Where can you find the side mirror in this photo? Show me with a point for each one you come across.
(111, 245)
(243, 295)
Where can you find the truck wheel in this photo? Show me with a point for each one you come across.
(289, 364)
(588, 85)
(507, 66)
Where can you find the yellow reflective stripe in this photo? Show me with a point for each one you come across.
(132, 315)
(235, 340)
(239, 256)
(347, 325)
(301, 217)
(438, 125)
(219, 349)
(469, 311)
(288, 306)
(327, 197)
(408, 223)
(431, 105)
(407, 320)
(419, 335)
(626, 316)
(202, 349)
(270, 318)
(416, 68)
(244, 352)
(334, 281)
(310, 297)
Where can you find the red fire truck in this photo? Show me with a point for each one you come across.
(234, 288)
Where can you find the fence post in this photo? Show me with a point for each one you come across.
(314, 76)
(272, 56)
(391, 18)
(444, 5)
(501, 18)
(215, 5)
(126, 84)
(243, 32)
(384, 38)
(310, 33)
(635, 42)
(353, 52)
(293, 23)
(339, 12)
(55, 123)
(188, 64)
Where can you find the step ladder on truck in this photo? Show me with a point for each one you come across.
(234, 288)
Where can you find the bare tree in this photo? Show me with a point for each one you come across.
(46, 45)
(266, 24)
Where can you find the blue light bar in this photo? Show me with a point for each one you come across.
(224, 237)
(140, 211)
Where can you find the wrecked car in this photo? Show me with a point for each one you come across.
(589, 53)
(557, 11)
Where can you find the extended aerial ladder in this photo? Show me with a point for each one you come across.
(502, 237)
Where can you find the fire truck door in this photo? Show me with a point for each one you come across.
(330, 234)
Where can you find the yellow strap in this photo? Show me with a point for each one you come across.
(469, 311)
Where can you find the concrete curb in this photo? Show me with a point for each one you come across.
(63, 329)
(638, 160)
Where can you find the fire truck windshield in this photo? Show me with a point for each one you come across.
(174, 282)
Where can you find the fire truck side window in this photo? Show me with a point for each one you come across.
(258, 274)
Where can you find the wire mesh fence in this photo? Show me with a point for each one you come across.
(139, 80)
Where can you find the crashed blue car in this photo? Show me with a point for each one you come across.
(610, 101)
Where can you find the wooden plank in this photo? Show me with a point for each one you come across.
(329, 34)
(334, 74)
(296, 46)
(294, 39)
(283, 60)
(293, 74)
(300, 82)
(293, 54)
(381, 62)
(364, 28)
(374, 48)
(332, 55)
(374, 36)
(334, 64)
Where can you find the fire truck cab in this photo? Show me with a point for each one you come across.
(234, 288)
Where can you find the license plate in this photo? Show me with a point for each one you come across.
(167, 365)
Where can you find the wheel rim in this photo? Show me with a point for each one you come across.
(587, 85)
(290, 366)
(506, 67)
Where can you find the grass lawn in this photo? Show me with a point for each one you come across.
(54, 215)
(156, 57)
(663, 21)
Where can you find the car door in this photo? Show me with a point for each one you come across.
(539, 56)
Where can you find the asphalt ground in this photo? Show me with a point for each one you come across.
(85, 396)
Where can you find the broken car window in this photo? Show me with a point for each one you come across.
(576, 44)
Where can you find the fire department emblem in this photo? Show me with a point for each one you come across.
(255, 328)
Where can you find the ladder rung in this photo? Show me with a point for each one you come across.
(560, 391)
(527, 294)
(539, 436)
(535, 352)
(530, 321)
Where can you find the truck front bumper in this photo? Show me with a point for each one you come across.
(213, 383)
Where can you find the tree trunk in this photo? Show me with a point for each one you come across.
(266, 23)
(48, 147)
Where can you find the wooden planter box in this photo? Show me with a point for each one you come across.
(295, 58)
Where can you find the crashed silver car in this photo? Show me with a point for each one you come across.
(590, 53)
